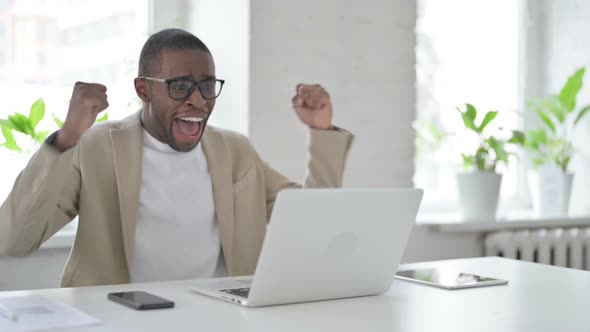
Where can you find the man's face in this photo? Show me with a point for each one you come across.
(177, 122)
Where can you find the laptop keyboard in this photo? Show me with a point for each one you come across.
(242, 292)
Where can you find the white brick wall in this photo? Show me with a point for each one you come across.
(567, 48)
(363, 53)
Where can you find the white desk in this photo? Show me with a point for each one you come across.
(538, 298)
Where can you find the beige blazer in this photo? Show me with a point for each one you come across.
(99, 180)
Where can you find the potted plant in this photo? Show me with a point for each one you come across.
(479, 183)
(551, 148)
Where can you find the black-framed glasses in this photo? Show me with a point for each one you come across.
(182, 88)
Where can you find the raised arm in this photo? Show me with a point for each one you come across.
(328, 145)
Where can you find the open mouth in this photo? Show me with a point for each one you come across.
(188, 129)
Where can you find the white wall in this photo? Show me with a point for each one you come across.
(363, 54)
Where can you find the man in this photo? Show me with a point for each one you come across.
(158, 196)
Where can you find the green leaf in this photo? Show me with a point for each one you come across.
(10, 142)
(570, 90)
(581, 114)
(105, 117)
(549, 106)
(37, 112)
(546, 120)
(554, 106)
(21, 123)
(487, 119)
(6, 123)
(57, 120)
(41, 136)
(499, 149)
(518, 137)
(469, 117)
(564, 163)
(481, 159)
(471, 111)
(468, 162)
(536, 138)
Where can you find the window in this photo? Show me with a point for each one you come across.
(52, 45)
(467, 52)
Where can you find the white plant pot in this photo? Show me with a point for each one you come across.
(478, 195)
(550, 190)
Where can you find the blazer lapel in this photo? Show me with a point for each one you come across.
(219, 165)
(127, 153)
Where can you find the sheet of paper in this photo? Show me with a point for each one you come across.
(37, 313)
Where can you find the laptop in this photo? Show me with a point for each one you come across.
(324, 244)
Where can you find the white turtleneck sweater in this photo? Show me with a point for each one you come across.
(177, 236)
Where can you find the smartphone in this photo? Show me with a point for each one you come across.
(448, 279)
(140, 300)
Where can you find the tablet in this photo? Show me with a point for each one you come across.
(447, 278)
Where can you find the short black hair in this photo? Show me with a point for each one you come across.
(166, 39)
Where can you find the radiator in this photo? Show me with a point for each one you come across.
(569, 247)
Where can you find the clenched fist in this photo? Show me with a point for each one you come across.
(88, 100)
(313, 106)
